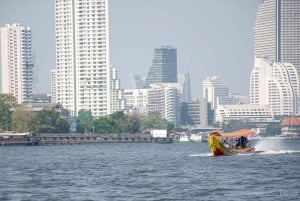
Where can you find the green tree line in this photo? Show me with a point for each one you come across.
(19, 118)
(119, 122)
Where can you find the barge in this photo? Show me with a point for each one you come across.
(90, 138)
(14, 139)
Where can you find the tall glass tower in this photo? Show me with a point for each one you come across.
(277, 31)
(164, 66)
(82, 56)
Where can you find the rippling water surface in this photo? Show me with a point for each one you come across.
(184, 171)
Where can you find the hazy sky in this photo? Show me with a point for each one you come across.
(212, 37)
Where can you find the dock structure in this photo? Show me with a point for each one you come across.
(77, 138)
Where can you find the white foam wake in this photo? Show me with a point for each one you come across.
(201, 155)
(272, 146)
(273, 152)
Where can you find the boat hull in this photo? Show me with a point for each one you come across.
(19, 139)
(218, 149)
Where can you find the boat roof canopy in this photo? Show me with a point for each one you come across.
(235, 134)
(14, 134)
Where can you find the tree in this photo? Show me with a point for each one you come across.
(273, 128)
(117, 122)
(84, 121)
(22, 118)
(133, 124)
(234, 125)
(153, 120)
(7, 102)
(62, 126)
(105, 125)
(48, 121)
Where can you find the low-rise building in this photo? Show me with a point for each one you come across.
(246, 112)
(290, 126)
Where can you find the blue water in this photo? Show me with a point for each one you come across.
(184, 171)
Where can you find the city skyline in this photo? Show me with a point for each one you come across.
(197, 31)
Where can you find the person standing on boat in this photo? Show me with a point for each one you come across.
(244, 141)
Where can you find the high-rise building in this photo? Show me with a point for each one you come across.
(164, 66)
(277, 33)
(136, 100)
(216, 92)
(194, 113)
(16, 61)
(83, 74)
(164, 98)
(185, 83)
(53, 85)
(117, 94)
(275, 84)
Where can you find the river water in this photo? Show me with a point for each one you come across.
(183, 171)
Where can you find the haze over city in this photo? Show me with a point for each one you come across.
(212, 37)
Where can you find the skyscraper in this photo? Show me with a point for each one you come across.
(216, 92)
(185, 84)
(82, 56)
(164, 66)
(277, 33)
(16, 61)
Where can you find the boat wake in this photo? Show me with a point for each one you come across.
(274, 146)
(201, 155)
(273, 152)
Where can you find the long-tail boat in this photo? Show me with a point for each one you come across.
(230, 143)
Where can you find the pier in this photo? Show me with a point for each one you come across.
(77, 138)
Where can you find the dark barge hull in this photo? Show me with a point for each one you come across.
(25, 143)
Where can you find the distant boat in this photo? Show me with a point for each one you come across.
(14, 139)
(199, 137)
(230, 143)
(181, 137)
(184, 138)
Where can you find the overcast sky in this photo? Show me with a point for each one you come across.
(212, 37)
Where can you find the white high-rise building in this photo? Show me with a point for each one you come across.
(136, 100)
(216, 92)
(117, 94)
(82, 56)
(260, 74)
(277, 33)
(275, 84)
(53, 85)
(165, 98)
(16, 62)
